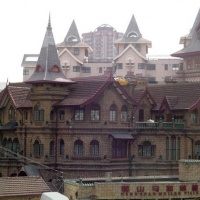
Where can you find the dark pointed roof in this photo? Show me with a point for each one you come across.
(48, 67)
(87, 89)
(72, 35)
(133, 28)
(194, 47)
(133, 34)
(179, 96)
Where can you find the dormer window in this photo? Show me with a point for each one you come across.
(54, 68)
(11, 113)
(72, 39)
(132, 35)
(39, 69)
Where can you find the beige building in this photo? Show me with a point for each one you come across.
(184, 186)
(131, 57)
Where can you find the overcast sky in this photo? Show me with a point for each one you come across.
(23, 24)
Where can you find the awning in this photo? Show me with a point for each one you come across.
(9, 126)
(124, 136)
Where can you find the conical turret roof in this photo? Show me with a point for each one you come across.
(72, 35)
(133, 29)
(48, 67)
(133, 34)
(194, 47)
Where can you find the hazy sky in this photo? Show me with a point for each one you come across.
(23, 24)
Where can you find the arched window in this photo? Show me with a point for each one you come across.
(72, 39)
(132, 35)
(9, 144)
(52, 115)
(113, 113)
(167, 148)
(95, 112)
(194, 115)
(146, 149)
(62, 115)
(124, 113)
(94, 148)
(52, 148)
(197, 149)
(4, 142)
(11, 113)
(62, 147)
(38, 148)
(173, 148)
(39, 68)
(38, 114)
(15, 145)
(78, 148)
(55, 68)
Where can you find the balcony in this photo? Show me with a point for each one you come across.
(156, 125)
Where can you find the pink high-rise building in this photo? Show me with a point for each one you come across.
(101, 41)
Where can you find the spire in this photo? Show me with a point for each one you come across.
(194, 27)
(49, 24)
(72, 35)
(193, 48)
(133, 30)
(48, 67)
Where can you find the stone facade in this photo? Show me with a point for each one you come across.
(152, 187)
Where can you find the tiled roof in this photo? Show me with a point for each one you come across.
(48, 67)
(22, 186)
(133, 28)
(18, 95)
(72, 32)
(87, 89)
(179, 96)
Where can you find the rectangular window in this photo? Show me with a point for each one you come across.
(76, 68)
(151, 66)
(175, 67)
(94, 115)
(100, 70)
(79, 115)
(119, 66)
(141, 65)
(141, 115)
(38, 150)
(26, 72)
(76, 51)
(124, 116)
(86, 69)
(194, 118)
(113, 116)
(39, 115)
(166, 67)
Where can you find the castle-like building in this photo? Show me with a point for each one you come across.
(94, 125)
(104, 50)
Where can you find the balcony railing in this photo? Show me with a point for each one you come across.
(167, 125)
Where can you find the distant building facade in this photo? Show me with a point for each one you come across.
(107, 50)
(190, 71)
(101, 41)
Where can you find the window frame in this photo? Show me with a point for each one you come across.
(39, 115)
(79, 114)
(94, 148)
(78, 148)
